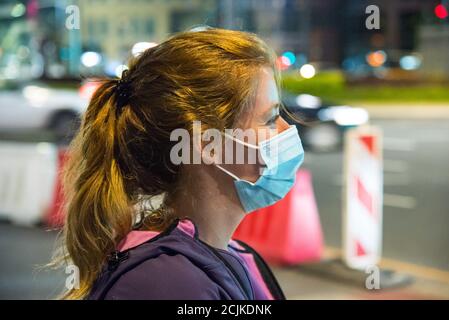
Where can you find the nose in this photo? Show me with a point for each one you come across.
(282, 125)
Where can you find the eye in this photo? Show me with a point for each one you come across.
(272, 120)
(274, 116)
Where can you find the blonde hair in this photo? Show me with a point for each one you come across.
(118, 159)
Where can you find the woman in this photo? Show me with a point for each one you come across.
(123, 158)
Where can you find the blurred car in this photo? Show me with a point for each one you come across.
(323, 123)
(32, 106)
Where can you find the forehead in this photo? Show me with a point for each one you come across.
(266, 97)
(267, 91)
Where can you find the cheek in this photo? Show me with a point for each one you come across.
(249, 172)
(242, 161)
(267, 132)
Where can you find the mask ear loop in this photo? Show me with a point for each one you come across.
(243, 143)
(233, 175)
(291, 129)
(228, 172)
(249, 145)
(246, 144)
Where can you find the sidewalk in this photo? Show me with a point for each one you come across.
(407, 111)
(305, 286)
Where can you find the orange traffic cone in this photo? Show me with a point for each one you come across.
(288, 232)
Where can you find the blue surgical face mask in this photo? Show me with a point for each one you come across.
(282, 155)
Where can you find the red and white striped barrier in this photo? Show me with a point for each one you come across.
(27, 179)
(362, 197)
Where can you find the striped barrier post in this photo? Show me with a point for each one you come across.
(362, 197)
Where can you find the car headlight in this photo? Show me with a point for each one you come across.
(37, 96)
(344, 115)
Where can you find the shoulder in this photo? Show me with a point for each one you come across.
(170, 277)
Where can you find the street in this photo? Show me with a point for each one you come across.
(416, 220)
(416, 191)
(368, 216)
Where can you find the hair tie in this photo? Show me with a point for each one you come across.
(123, 91)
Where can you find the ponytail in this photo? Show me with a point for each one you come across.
(98, 209)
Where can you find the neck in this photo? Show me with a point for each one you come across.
(214, 210)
